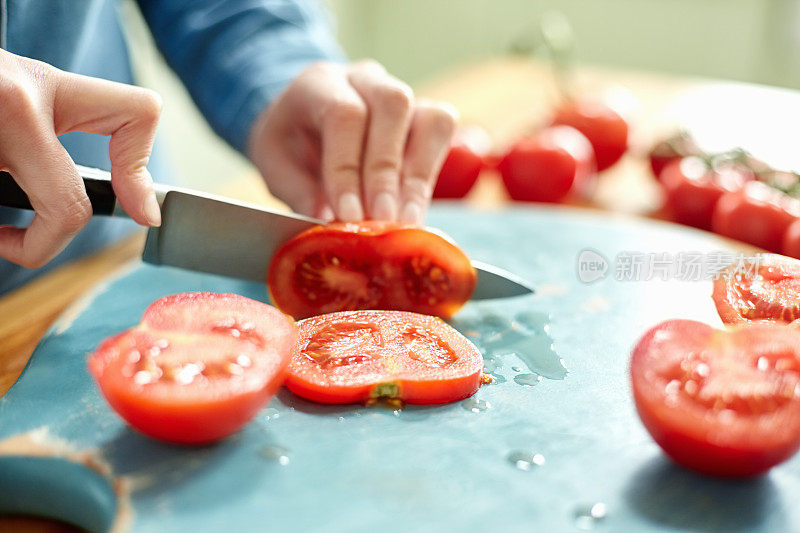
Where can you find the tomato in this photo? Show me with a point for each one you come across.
(550, 166)
(370, 265)
(791, 240)
(756, 214)
(197, 368)
(768, 288)
(356, 356)
(464, 163)
(720, 402)
(692, 189)
(606, 130)
(672, 149)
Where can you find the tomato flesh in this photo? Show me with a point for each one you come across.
(356, 356)
(724, 403)
(769, 290)
(370, 265)
(197, 368)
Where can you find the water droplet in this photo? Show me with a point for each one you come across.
(279, 454)
(525, 460)
(527, 380)
(490, 364)
(497, 378)
(587, 516)
(516, 368)
(270, 413)
(476, 405)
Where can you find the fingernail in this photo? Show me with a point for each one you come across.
(350, 208)
(412, 213)
(385, 207)
(152, 212)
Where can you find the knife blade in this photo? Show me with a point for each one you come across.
(209, 233)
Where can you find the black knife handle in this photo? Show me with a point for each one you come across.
(96, 181)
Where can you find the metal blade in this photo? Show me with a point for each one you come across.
(219, 236)
(494, 282)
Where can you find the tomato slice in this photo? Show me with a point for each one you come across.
(197, 368)
(370, 265)
(355, 356)
(725, 403)
(770, 290)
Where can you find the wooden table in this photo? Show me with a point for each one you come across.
(506, 96)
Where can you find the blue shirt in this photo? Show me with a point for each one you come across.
(234, 56)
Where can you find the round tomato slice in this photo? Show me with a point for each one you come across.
(768, 289)
(370, 265)
(197, 368)
(725, 403)
(357, 356)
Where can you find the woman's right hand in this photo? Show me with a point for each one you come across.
(38, 102)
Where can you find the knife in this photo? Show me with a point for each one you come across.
(209, 233)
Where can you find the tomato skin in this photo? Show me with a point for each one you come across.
(606, 129)
(370, 265)
(204, 330)
(791, 240)
(672, 149)
(769, 293)
(549, 166)
(464, 163)
(756, 214)
(356, 356)
(692, 190)
(729, 442)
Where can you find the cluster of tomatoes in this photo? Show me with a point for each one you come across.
(199, 366)
(732, 194)
(727, 402)
(558, 163)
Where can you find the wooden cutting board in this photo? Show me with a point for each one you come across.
(553, 445)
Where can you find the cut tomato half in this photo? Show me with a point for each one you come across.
(370, 265)
(767, 290)
(725, 403)
(197, 368)
(356, 356)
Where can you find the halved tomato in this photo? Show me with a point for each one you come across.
(361, 355)
(370, 265)
(767, 288)
(197, 368)
(725, 403)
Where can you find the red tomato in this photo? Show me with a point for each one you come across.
(756, 214)
(672, 149)
(464, 163)
(370, 265)
(720, 402)
(361, 355)
(604, 127)
(197, 368)
(770, 290)
(692, 189)
(550, 166)
(791, 240)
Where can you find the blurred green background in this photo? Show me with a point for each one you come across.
(748, 40)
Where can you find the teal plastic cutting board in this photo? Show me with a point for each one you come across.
(553, 445)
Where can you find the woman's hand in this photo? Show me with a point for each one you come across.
(350, 142)
(39, 102)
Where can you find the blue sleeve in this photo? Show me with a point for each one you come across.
(235, 56)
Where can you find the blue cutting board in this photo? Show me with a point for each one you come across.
(553, 445)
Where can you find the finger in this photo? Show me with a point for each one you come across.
(58, 197)
(130, 116)
(428, 141)
(390, 104)
(342, 122)
(296, 187)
